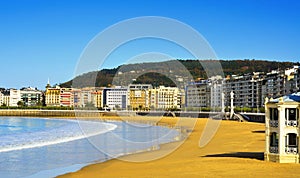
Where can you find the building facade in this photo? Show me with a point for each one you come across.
(31, 96)
(166, 98)
(14, 97)
(197, 94)
(282, 129)
(139, 96)
(247, 90)
(115, 98)
(52, 96)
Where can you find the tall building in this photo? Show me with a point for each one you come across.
(282, 129)
(165, 98)
(31, 96)
(52, 96)
(215, 85)
(139, 96)
(247, 90)
(275, 84)
(14, 97)
(197, 94)
(115, 98)
(97, 98)
(66, 97)
(1, 99)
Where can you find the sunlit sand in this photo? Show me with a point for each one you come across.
(236, 150)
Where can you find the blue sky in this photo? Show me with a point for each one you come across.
(44, 39)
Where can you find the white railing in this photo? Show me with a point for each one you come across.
(291, 150)
(291, 123)
(273, 123)
(273, 149)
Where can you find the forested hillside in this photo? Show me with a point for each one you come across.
(156, 73)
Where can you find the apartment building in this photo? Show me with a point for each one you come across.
(115, 98)
(165, 98)
(139, 96)
(247, 90)
(197, 94)
(52, 96)
(14, 97)
(31, 96)
(97, 98)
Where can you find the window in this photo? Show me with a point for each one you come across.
(274, 114)
(274, 139)
(290, 114)
(291, 140)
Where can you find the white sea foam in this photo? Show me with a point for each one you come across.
(66, 133)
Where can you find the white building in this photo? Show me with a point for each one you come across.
(31, 96)
(1, 99)
(115, 98)
(216, 90)
(282, 129)
(14, 97)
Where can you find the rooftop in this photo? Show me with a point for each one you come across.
(295, 97)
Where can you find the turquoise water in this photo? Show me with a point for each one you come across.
(36, 147)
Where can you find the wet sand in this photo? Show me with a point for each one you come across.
(235, 151)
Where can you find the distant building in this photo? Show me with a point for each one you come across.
(197, 94)
(14, 97)
(97, 98)
(31, 96)
(216, 89)
(52, 96)
(165, 98)
(66, 97)
(247, 90)
(139, 96)
(282, 129)
(115, 98)
(1, 99)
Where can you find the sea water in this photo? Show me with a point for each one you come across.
(36, 147)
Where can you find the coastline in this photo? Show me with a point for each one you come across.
(236, 150)
(64, 170)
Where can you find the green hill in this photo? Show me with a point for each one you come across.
(170, 73)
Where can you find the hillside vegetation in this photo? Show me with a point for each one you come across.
(170, 73)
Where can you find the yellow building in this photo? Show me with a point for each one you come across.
(97, 98)
(52, 96)
(139, 96)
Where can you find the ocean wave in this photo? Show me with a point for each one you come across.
(65, 133)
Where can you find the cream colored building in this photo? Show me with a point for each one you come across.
(165, 98)
(282, 129)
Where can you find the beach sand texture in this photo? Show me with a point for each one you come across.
(235, 151)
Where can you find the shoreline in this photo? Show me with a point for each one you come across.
(236, 150)
(147, 120)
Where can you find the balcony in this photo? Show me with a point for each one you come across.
(273, 123)
(273, 149)
(291, 150)
(292, 123)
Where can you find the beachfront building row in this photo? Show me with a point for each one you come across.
(133, 97)
(250, 90)
(25, 96)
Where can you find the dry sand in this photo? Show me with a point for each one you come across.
(235, 151)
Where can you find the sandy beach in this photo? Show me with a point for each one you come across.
(236, 150)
